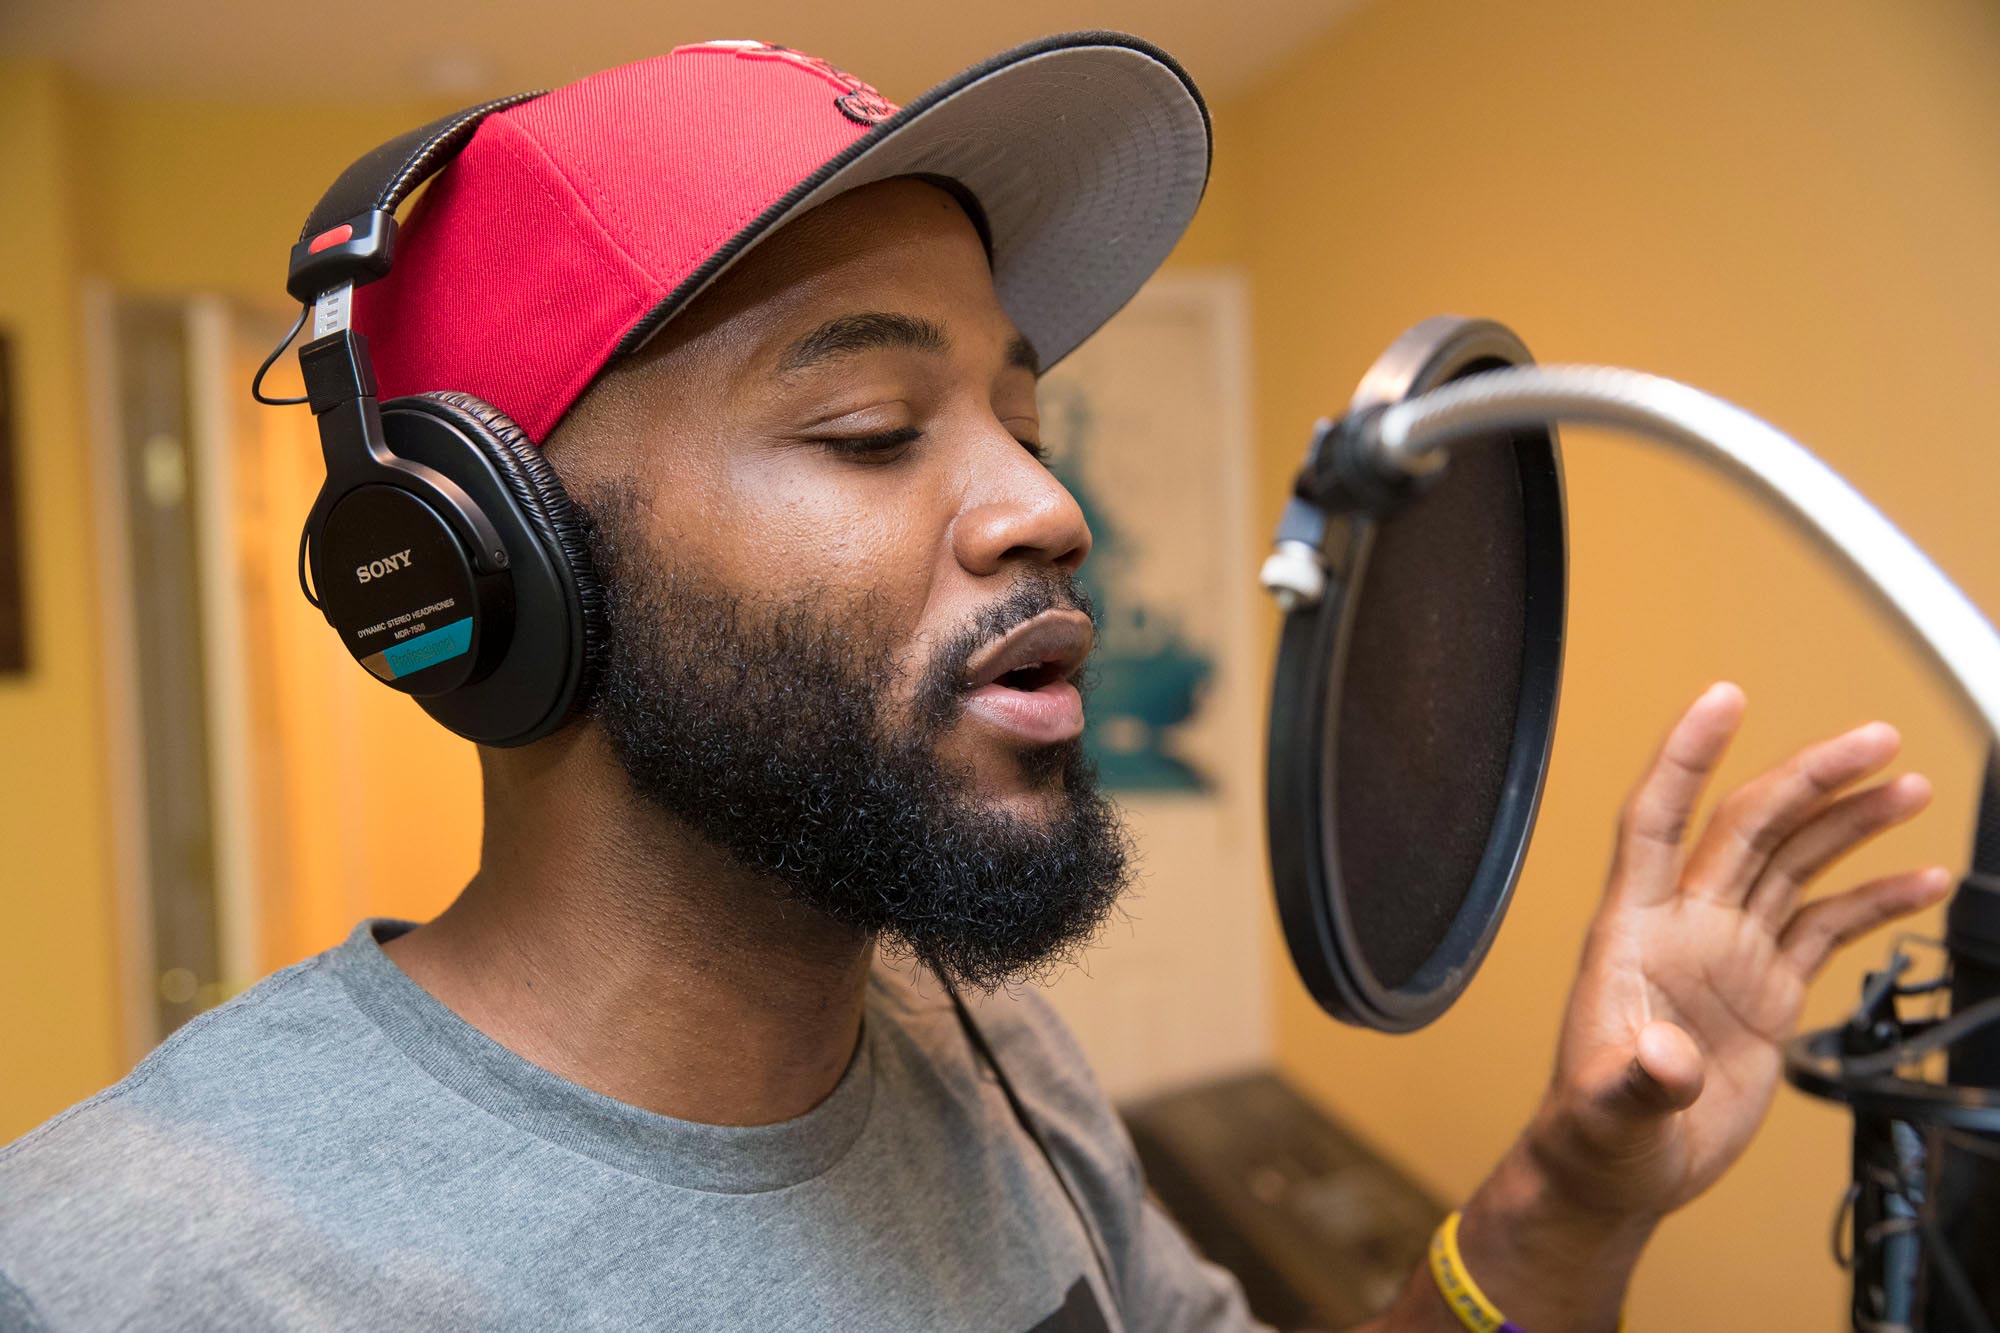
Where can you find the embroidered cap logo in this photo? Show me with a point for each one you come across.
(858, 100)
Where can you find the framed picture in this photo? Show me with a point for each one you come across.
(13, 601)
(1148, 426)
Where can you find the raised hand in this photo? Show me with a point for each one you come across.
(1697, 964)
(1693, 978)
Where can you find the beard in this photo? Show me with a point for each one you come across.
(762, 724)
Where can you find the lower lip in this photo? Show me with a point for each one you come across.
(1045, 716)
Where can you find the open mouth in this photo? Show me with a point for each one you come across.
(1033, 677)
(1021, 683)
(1039, 651)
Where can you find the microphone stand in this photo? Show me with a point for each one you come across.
(1922, 1218)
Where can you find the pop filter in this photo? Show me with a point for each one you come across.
(1415, 693)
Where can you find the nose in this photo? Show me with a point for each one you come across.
(1016, 510)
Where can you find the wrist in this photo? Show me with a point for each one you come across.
(1575, 1174)
(1552, 1263)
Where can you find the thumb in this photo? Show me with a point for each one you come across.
(1627, 1090)
(1615, 1137)
(1663, 1074)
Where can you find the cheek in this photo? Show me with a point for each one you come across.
(866, 538)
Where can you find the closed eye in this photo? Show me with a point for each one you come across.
(888, 442)
(871, 447)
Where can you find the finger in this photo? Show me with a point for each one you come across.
(1656, 815)
(1822, 926)
(1829, 835)
(1753, 820)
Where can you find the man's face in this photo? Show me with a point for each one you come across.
(844, 628)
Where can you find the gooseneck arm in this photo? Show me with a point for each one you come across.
(1409, 437)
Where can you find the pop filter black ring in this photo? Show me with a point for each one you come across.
(1312, 666)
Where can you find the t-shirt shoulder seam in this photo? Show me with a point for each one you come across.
(282, 981)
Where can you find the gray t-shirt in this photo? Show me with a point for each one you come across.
(337, 1149)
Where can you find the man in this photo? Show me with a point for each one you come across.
(651, 1068)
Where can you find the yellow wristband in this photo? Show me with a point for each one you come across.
(1461, 1294)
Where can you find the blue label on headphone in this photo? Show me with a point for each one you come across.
(426, 650)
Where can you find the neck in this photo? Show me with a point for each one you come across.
(606, 942)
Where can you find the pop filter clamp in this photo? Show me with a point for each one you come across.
(1923, 1213)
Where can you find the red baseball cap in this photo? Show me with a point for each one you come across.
(575, 224)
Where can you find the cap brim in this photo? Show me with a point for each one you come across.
(1087, 153)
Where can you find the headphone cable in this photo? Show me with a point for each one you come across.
(257, 381)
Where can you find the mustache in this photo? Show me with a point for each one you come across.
(941, 689)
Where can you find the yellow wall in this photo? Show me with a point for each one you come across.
(1794, 204)
(62, 1038)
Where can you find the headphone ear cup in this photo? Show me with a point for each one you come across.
(543, 500)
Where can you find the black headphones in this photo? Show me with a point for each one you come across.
(442, 546)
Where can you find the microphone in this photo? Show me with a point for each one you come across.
(1972, 938)
(1967, 1170)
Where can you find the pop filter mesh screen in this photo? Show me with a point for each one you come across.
(1428, 708)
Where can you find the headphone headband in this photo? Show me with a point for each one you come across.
(350, 235)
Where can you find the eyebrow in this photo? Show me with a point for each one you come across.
(847, 335)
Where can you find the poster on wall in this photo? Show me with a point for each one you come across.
(1147, 425)
(13, 601)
